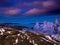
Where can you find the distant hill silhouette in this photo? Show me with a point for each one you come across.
(12, 25)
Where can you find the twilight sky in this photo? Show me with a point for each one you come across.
(29, 7)
(15, 10)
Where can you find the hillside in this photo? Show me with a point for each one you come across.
(18, 37)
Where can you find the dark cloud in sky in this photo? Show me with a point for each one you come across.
(5, 3)
(38, 6)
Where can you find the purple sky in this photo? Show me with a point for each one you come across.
(29, 7)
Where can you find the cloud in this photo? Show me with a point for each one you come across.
(42, 7)
(6, 3)
(49, 4)
(10, 11)
(36, 11)
(33, 4)
(38, 4)
(34, 7)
